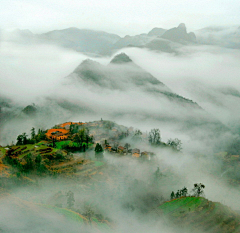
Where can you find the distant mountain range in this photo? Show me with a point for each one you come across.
(103, 43)
(95, 43)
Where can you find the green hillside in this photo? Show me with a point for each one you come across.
(71, 215)
(199, 214)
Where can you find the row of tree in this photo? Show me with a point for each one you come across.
(197, 191)
(23, 138)
(154, 139)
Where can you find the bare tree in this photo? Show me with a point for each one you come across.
(154, 137)
(198, 189)
(176, 143)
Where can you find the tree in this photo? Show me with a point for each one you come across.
(19, 140)
(38, 160)
(127, 146)
(137, 135)
(88, 212)
(70, 200)
(53, 142)
(154, 137)
(33, 134)
(25, 140)
(98, 151)
(178, 194)
(29, 163)
(158, 173)
(183, 192)
(176, 144)
(198, 189)
(172, 195)
(98, 148)
(81, 136)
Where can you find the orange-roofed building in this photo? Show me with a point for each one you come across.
(136, 155)
(108, 147)
(58, 134)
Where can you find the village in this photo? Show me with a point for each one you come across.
(106, 133)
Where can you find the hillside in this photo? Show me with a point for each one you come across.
(197, 214)
(44, 217)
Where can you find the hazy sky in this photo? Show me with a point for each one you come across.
(121, 17)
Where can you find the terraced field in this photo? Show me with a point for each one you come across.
(200, 214)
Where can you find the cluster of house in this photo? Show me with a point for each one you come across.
(62, 132)
(136, 153)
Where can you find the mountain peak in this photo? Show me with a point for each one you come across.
(121, 58)
(179, 34)
(182, 26)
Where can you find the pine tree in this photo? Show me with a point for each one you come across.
(98, 151)
(33, 134)
(172, 195)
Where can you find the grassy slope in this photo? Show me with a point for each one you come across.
(197, 213)
(72, 215)
(60, 144)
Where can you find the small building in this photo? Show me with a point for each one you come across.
(121, 149)
(136, 155)
(135, 151)
(108, 147)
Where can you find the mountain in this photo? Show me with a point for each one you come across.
(123, 89)
(122, 74)
(82, 40)
(197, 214)
(164, 45)
(157, 32)
(133, 41)
(179, 34)
(94, 42)
(159, 39)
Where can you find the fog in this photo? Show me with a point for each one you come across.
(38, 74)
(51, 78)
(139, 16)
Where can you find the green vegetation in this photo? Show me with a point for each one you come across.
(182, 204)
(69, 143)
(197, 213)
(23, 139)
